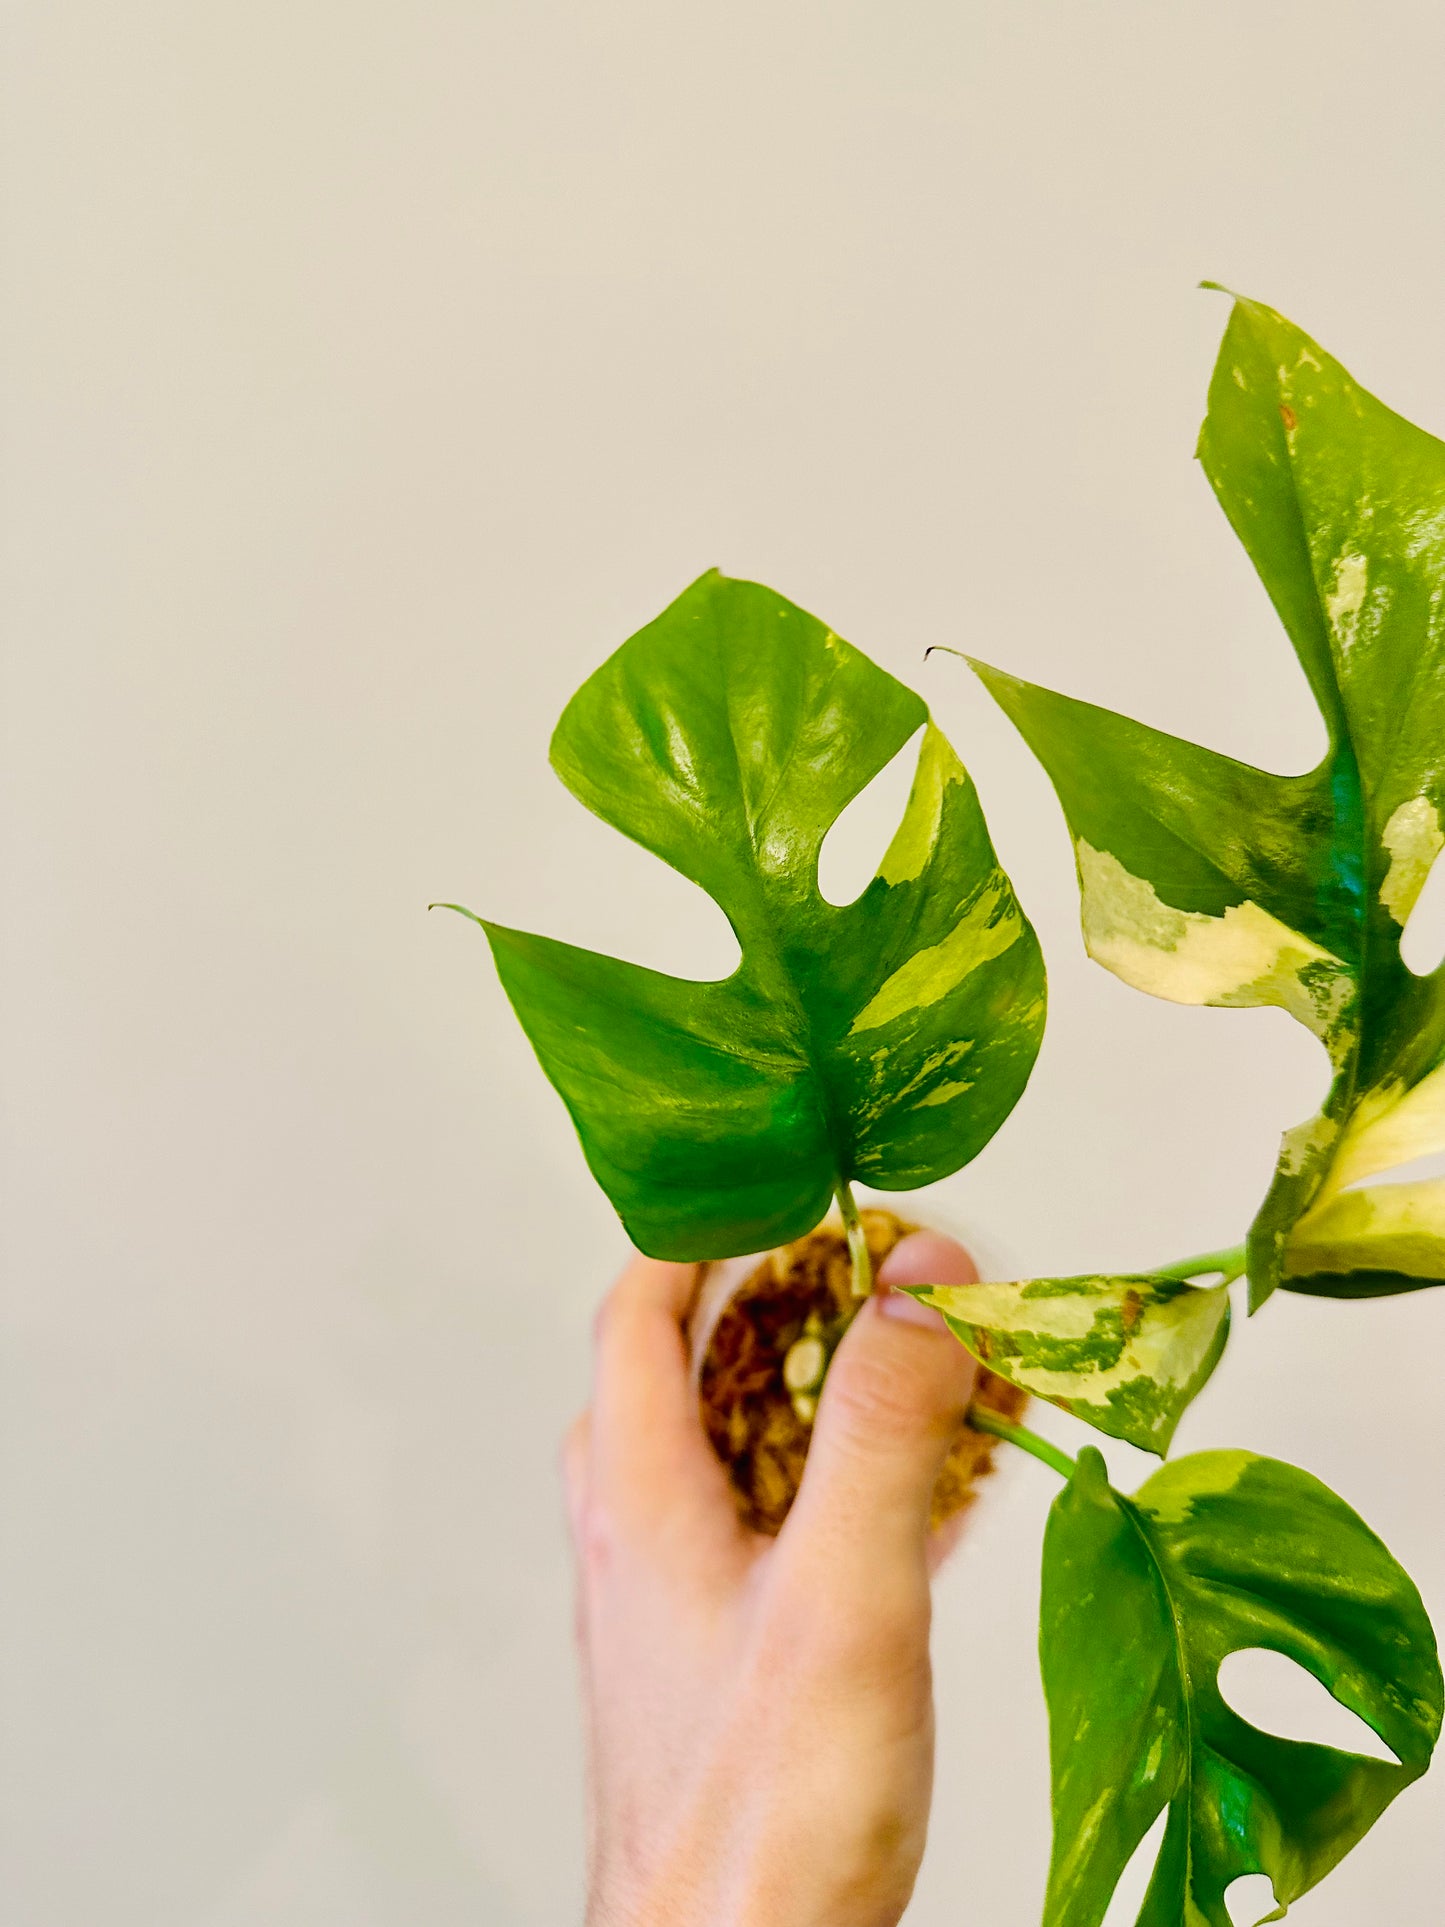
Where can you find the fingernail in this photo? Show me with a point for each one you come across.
(900, 1304)
(928, 1258)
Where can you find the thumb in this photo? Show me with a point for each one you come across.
(895, 1393)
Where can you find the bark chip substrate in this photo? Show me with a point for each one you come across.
(756, 1424)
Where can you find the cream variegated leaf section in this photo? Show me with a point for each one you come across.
(1354, 1227)
(1245, 957)
(1385, 1227)
(1387, 1128)
(1413, 839)
(1125, 1354)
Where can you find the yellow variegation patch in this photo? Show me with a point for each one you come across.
(991, 924)
(1412, 839)
(1345, 600)
(1173, 1492)
(913, 843)
(1389, 1126)
(1303, 1143)
(1384, 1227)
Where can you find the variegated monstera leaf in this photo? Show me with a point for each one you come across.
(1210, 882)
(884, 1040)
(1143, 1600)
(1127, 1354)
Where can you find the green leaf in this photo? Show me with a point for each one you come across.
(1125, 1354)
(1210, 882)
(1143, 1599)
(886, 1040)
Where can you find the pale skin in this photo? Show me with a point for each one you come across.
(759, 1712)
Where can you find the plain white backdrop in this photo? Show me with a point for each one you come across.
(371, 371)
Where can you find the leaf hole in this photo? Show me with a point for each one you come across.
(592, 887)
(1128, 1896)
(1422, 943)
(1276, 1694)
(854, 846)
(1250, 1899)
(1431, 1165)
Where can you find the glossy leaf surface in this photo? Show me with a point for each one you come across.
(1125, 1354)
(1210, 882)
(1143, 1599)
(885, 1040)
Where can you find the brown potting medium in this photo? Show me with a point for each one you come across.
(748, 1411)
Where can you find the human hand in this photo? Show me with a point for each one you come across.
(760, 1711)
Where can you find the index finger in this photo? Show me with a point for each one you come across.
(651, 1463)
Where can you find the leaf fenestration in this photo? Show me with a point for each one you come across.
(1127, 1355)
(1143, 1599)
(1207, 881)
(885, 1040)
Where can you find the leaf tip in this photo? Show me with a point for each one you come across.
(461, 910)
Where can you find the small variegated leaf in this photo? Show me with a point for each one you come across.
(1359, 1240)
(1125, 1354)
(1143, 1600)
(1206, 881)
(884, 1040)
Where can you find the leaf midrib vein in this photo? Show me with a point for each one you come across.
(1136, 1520)
(762, 933)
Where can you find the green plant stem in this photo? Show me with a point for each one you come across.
(1230, 1262)
(858, 1254)
(1000, 1428)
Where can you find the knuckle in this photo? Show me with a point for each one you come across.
(870, 1399)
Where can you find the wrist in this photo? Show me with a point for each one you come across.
(683, 1903)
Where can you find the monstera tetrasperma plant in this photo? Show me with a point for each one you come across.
(885, 1041)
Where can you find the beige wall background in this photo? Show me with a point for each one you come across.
(371, 371)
